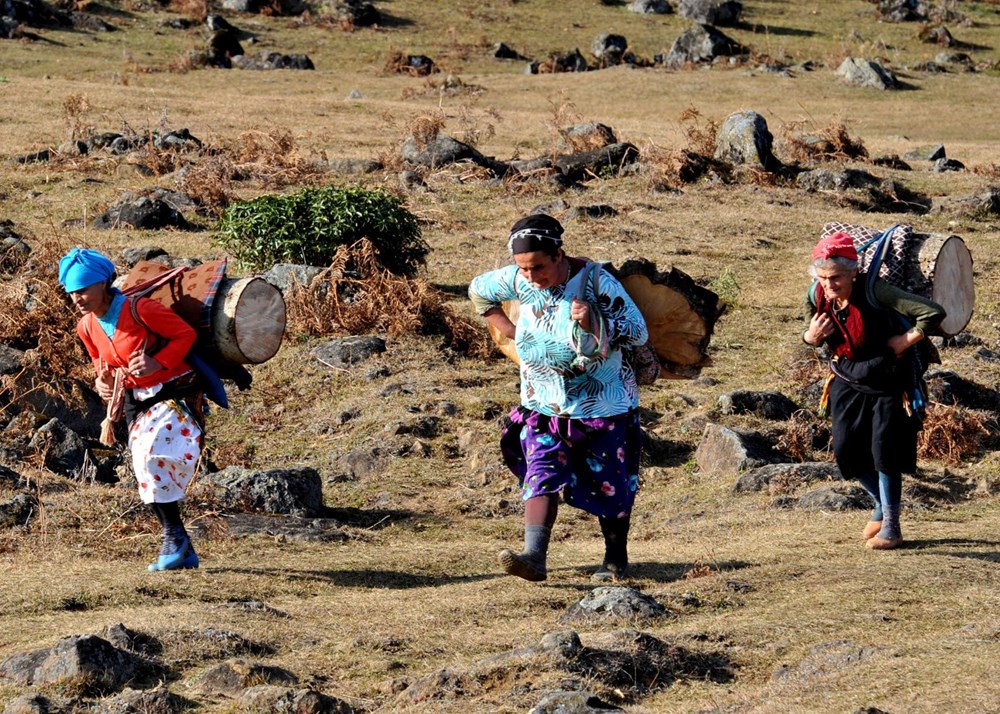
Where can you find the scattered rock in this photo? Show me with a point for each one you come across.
(347, 351)
(947, 387)
(286, 276)
(571, 61)
(282, 528)
(563, 702)
(727, 452)
(902, 10)
(744, 138)
(17, 511)
(781, 477)
(839, 180)
(272, 60)
(358, 13)
(271, 698)
(11, 360)
(89, 661)
(255, 607)
(37, 157)
(891, 161)
(502, 51)
(841, 498)
(943, 165)
(608, 160)
(615, 602)
(63, 448)
(769, 405)
(608, 49)
(982, 206)
(590, 212)
(231, 678)
(147, 701)
(444, 150)
(859, 72)
(650, 7)
(926, 153)
(961, 59)
(143, 213)
(289, 491)
(712, 12)
(699, 44)
(936, 35)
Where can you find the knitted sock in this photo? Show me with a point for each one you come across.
(870, 481)
(536, 545)
(891, 493)
(615, 531)
(169, 515)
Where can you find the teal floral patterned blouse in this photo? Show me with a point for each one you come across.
(550, 383)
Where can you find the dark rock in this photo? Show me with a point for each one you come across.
(744, 138)
(63, 448)
(937, 35)
(131, 256)
(358, 13)
(981, 207)
(11, 360)
(943, 165)
(986, 355)
(101, 140)
(444, 150)
(902, 10)
(712, 12)
(73, 148)
(891, 161)
(10, 29)
(34, 13)
(286, 276)
(121, 145)
(926, 153)
(615, 602)
(842, 498)
(609, 49)
(425, 427)
(859, 72)
(950, 57)
(290, 491)
(571, 61)
(255, 607)
(830, 180)
(360, 463)
(231, 678)
(590, 135)
(502, 51)
(769, 405)
(147, 701)
(90, 23)
(786, 476)
(179, 139)
(572, 702)
(723, 451)
(347, 351)
(272, 60)
(608, 160)
(38, 157)
(929, 67)
(143, 213)
(650, 7)
(17, 511)
(272, 698)
(89, 661)
(698, 45)
(591, 212)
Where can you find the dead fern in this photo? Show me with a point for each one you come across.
(357, 295)
(701, 133)
(833, 143)
(210, 182)
(952, 433)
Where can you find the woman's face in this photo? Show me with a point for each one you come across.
(541, 269)
(836, 282)
(94, 298)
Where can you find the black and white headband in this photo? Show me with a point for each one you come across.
(528, 240)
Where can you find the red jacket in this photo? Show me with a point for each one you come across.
(130, 338)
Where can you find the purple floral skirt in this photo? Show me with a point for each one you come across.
(594, 463)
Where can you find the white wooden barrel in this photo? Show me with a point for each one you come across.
(248, 320)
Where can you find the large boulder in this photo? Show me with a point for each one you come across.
(744, 138)
(712, 12)
(291, 491)
(88, 661)
(609, 49)
(144, 213)
(859, 72)
(727, 452)
(63, 449)
(699, 45)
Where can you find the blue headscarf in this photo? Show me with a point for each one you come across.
(82, 267)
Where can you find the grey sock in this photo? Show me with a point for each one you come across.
(890, 523)
(536, 544)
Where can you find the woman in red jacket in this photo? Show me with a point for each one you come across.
(145, 345)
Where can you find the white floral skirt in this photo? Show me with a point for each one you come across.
(165, 441)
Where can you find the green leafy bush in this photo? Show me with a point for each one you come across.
(308, 227)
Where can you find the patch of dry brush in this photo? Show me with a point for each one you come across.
(357, 295)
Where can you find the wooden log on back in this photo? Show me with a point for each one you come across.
(680, 316)
(248, 320)
(937, 266)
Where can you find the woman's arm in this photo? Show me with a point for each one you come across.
(490, 289)
(164, 322)
(924, 315)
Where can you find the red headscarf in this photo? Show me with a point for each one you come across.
(838, 245)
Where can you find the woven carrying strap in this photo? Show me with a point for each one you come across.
(594, 345)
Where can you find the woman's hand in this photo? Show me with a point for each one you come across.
(142, 365)
(820, 327)
(580, 311)
(900, 343)
(105, 385)
(498, 318)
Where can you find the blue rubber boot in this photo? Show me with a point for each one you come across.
(183, 558)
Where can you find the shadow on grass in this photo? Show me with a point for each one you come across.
(779, 31)
(658, 572)
(365, 577)
(992, 556)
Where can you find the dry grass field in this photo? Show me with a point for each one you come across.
(415, 587)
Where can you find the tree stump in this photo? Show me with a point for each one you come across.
(680, 316)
